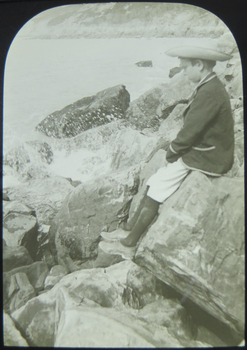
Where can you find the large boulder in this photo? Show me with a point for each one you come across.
(11, 336)
(156, 104)
(89, 112)
(85, 304)
(92, 287)
(45, 196)
(36, 274)
(197, 246)
(20, 226)
(130, 148)
(17, 291)
(15, 256)
(93, 207)
(100, 327)
(54, 276)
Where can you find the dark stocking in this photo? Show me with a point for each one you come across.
(147, 214)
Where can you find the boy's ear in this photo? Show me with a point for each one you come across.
(200, 64)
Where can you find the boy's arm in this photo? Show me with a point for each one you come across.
(203, 110)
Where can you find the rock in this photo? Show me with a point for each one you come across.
(91, 208)
(130, 148)
(144, 64)
(45, 196)
(170, 127)
(30, 159)
(54, 276)
(197, 246)
(16, 206)
(40, 332)
(21, 229)
(15, 256)
(172, 315)
(206, 336)
(89, 328)
(90, 287)
(11, 335)
(89, 112)
(156, 104)
(35, 272)
(5, 197)
(87, 304)
(238, 145)
(174, 71)
(232, 77)
(142, 288)
(36, 320)
(46, 256)
(104, 259)
(86, 326)
(17, 291)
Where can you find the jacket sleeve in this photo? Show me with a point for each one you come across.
(204, 108)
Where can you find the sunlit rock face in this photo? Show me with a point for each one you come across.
(196, 245)
(106, 106)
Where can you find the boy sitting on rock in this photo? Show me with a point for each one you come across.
(205, 143)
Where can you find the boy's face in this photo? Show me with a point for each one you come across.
(193, 72)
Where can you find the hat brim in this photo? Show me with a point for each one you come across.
(198, 52)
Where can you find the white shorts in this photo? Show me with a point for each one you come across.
(167, 180)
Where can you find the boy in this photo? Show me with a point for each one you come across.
(205, 143)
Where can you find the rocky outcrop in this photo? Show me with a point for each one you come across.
(20, 226)
(143, 288)
(87, 307)
(197, 246)
(130, 148)
(89, 112)
(11, 336)
(17, 291)
(151, 108)
(191, 256)
(15, 256)
(54, 276)
(36, 274)
(126, 20)
(99, 205)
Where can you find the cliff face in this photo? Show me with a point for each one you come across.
(115, 20)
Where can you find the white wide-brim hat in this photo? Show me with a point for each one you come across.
(204, 53)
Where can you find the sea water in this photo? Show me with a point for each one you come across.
(45, 75)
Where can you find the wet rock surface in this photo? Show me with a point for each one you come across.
(102, 108)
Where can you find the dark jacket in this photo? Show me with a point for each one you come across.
(206, 141)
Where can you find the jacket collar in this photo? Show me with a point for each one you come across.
(209, 77)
